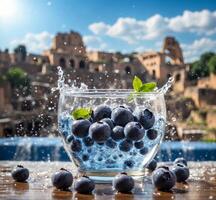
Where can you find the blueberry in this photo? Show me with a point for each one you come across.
(134, 131)
(85, 157)
(144, 150)
(20, 173)
(121, 116)
(76, 145)
(102, 111)
(69, 138)
(84, 185)
(181, 171)
(163, 179)
(123, 183)
(111, 143)
(118, 133)
(62, 179)
(180, 160)
(88, 141)
(151, 134)
(139, 144)
(129, 164)
(125, 145)
(65, 134)
(100, 132)
(152, 165)
(80, 127)
(146, 118)
(109, 122)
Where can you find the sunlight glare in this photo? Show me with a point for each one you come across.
(8, 9)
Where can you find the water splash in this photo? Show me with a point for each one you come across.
(164, 89)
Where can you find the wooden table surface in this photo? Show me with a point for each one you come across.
(200, 186)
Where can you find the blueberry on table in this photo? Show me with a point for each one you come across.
(121, 116)
(146, 118)
(181, 171)
(88, 141)
(111, 143)
(125, 145)
(76, 145)
(151, 134)
(80, 127)
(62, 179)
(163, 179)
(69, 138)
(117, 133)
(123, 183)
(180, 160)
(84, 185)
(20, 173)
(139, 144)
(99, 132)
(134, 131)
(109, 122)
(102, 111)
(152, 165)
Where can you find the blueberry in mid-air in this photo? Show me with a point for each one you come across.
(145, 117)
(102, 111)
(151, 134)
(117, 133)
(84, 185)
(180, 160)
(121, 116)
(62, 179)
(181, 171)
(125, 145)
(123, 183)
(80, 127)
(100, 131)
(152, 165)
(139, 144)
(163, 179)
(109, 122)
(20, 173)
(76, 145)
(134, 131)
(88, 141)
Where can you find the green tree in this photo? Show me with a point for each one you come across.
(212, 64)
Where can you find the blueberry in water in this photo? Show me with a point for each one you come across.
(123, 183)
(65, 134)
(146, 118)
(102, 111)
(134, 131)
(125, 145)
(80, 127)
(139, 144)
(181, 171)
(163, 179)
(76, 145)
(88, 141)
(69, 138)
(20, 173)
(109, 122)
(151, 134)
(152, 165)
(129, 164)
(85, 157)
(121, 116)
(180, 160)
(118, 133)
(84, 185)
(111, 143)
(144, 150)
(99, 132)
(62, 179)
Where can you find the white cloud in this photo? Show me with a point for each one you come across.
(132, 30)
(35, 42)
(94, 43)
(194, 50)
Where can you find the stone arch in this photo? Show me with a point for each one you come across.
(128, 70)
(62, 62)
(72, 63)
(153, 74)
(178, 77)
(82, 64)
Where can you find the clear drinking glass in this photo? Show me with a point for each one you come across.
(99, 161)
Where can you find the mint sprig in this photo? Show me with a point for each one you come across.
(82, 113)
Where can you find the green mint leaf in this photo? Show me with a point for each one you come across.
(82, 113)
(148, 87)
(137, 83)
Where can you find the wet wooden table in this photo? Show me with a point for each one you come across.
(200, 186)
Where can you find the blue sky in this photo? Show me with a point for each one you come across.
(123, 25)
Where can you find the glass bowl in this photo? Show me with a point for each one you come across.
(136, 143)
